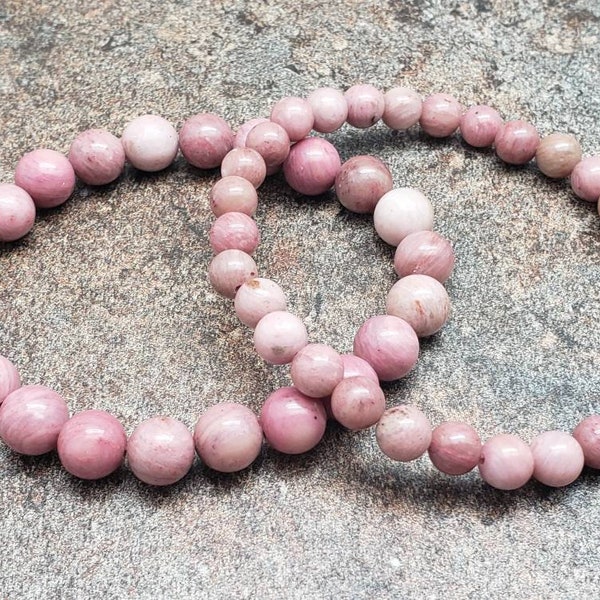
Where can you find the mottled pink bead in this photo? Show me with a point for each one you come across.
(91, 444)
(506, 462)
(234, 231)
(229, 269)
(441, 114)
(242, 133)
(279, 336)
(365, 105)
(292, 422)
(330, 109)
(10, 380)
(316, 370)
(355, 366)
(47, 176)
(389, 345)
(228, 437)
(17, 212)
(31, 418)
(271, 141)
(587, 433)
(233, 194)
(403, 107)
(357, 403)
(403, 433)
(455, 448)
(516, 142)
(150, 143)
(97, 156)
(557, 154)
(205, 139)
(256, 298)
(245, 163)
(585, 179)
(295, 115)
(311, 166)
(426, 253)
(361, 182)
(479, 125)
(557, 458)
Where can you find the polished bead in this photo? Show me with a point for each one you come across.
(256, 298)
(233, 194)
(357, 403)
(205, 139)
(557, 154)
(17, 212)
(585, 179)
(150, 143)
(506, 462)
(97, 157)
(455, 448)
(403, 108)
(242, 133)
(355, 366)
(279, 336)
(424, 253)
(316, 370)
(229, 269)
(516, 142)
(295, 115)
(271, 141)
(330, 109)
(403, 433)
(10, 380)
(480, 125)
(587, 433)
(557, 457)
(440, 115)
(234, 231)
(245, 163)
(365, 105)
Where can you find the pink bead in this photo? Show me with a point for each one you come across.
(585, 179)
(403, 107)
(228, 437)
(365, 105)
(361, 182)
(10, 380)
(389, 345)
(17, 212)
(31, 418)
(354, 366)
(316, 370)
(311, 166)
(292, 422)
(558, 458)
(229, 269)
(256, 298)
(150, 143)
(330, 109)
(557, 154)
(403, 433)
(441, 114)
(91, 444)
(279, 336)
(506, 462)
(425, 253)
(205, 139)
(97, 157)
(160, 451)
(245, 163)
(295, 115)
(357, 403)
(47, 176)
(271, 141)
(480, 125)
(233, 194)
(455, 448)
(516, 142)
(234, 231)
(242, 133)
(587, 433)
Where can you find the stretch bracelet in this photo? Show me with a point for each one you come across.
(228, 437)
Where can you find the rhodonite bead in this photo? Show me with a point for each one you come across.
(403, 433)
(587, 433)
(245, 163)
(402, 108)
(229, 269)
(233, 194)
(256, 298)
(440, 115)
(316, 370)
(150, 143)
(295, 115)
(558, 458)
(506, 462)
(357, 403)
(97, 156)
(424, 253)
(455, 448)
(516, 142)
(241, 135)
(10, 380)
(479, 125)
(585, 179)
(17, 212)
(557, 154)
(271, 141)
(205, 139)
(279, 336)
(366, 105)
(330, 109)
(234, 231)
(355, 366)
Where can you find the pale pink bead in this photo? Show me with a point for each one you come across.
(279, 336)
(355, 366)
(506, 462)
(10, 380)
(557, 154)
(47, 176)
(311, 166)
(400, 212)
(91, 444)
(205, 139)
(403, 433)
(17, 212)
(234, 231)
(585, 179)
(455, 448)
(330, 109)
(233, 194)
(424, 252)
(229, 269)
(256, 298)
(479, 125)
(160, 451)
(31, 418)
(587, 433)
(365, 105)
(97, 156)
(150, 143)
(440, 115)
(228, 437)
(242, 133)
(357, 403)
(292, 422)
(316, 370)
(389, 345)
(403, 108)
(295, 115)
(516, 142)
(245, 163)
(557, 457)
(361, 182)
(271, 141)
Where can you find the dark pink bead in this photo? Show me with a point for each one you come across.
(440, 115)
(479, 125)
(357, 403)
(205, 139)
(17, 212)
(366, 105)
(587, 433)
(506, 462)
(234, 231)
(271, 141)
(585, 179)
(516, 142)
(455, 448)
(97, 156)
(424, 253)
(295, 115)
(242, 133)
(10, 380)
(354, 366)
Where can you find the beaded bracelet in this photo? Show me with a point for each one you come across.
(228, 437)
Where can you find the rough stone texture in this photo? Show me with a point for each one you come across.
(108, 302)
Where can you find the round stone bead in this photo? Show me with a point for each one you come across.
(354, 366)
(229, 269)
(91, 444)
(365, 105)
(516, 142)
(402, 108)
(242, 133)
(440, 115)
(557, 154)
(400, 212)
(17, 212)
(506, 462)
(205, 139)
(585, 179)
(480, 125)
(256, 298)
(10, 380)
(421, 301)
(455, 448)
(557, 457)
(97, 156)
(403, 433)
(245, 163)
(31, 418)
(316, 370)
(330, 109)
(361, 182)
(389, 344)
(47, 176)
(233, 194)
(150, 143)
(357, 403)
(160, 451)
(271, 141)
(587, 433)
(234, 231)
(295, 115)
(424, 253)
(292, 422)
(228, 437)
(279, 336)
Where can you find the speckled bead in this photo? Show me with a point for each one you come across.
(365, 105)
(403, 433)
(424, 253)
(402, 108)
(229, 270)
(440, 115)
(97, 157)
(10, 380)
(516, 142)
(279, 336)
(205, 139)
(557, 154)
(256, 298)
(17, 212)
(585, 179)
(506, 462)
